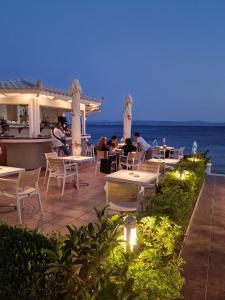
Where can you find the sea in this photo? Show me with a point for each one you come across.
(210, 138)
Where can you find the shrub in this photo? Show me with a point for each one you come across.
(175, 197)
(23, 263)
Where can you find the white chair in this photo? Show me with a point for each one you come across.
(151, 168)
(90, 151)
(24, 186)
(124, 197)
(132, 160)
(47, 156)
(61, 171)
(105, 155)
(177, 153)
(158, 152)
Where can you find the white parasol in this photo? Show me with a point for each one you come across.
(75, 92)
(127, 119)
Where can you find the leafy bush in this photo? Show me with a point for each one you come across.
(23, 263)
(175, 196)
(152, 270)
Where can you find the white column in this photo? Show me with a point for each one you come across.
(31, 117)
(34, 117)
(83, 122)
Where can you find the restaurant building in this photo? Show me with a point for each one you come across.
(28, 111)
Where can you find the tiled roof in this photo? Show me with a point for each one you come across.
(16, 84)
(24, 84)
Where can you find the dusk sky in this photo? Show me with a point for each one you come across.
(170, 55)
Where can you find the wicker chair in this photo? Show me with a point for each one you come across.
(24, 186)
(47, 156)
(60, 170)
(151, 168)
(123, 197)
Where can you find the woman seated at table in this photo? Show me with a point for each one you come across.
(113, 142)
(128, 147)
(102, 145)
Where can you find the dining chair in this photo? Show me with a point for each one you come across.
(105, 155)
(90, 151)
(123, 197)
(132, 160)
(47, 156)
(177, 153)
(24, 186)
(157, 152)
(61, 170)
(151, 168)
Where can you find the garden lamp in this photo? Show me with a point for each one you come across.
(181, 172)
(130, 233)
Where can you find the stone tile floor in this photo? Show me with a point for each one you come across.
(75, 207)
(204, 247)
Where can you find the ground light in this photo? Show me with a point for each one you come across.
(130, 233)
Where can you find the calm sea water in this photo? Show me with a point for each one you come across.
(207, 137)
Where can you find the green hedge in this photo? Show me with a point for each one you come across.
(176, 195)
(22, 263)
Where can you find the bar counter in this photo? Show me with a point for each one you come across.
(27, 152)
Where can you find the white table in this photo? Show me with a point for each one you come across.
(136, 177)
(7, 171)
(77, 159)
(166, 161)
(166, 148)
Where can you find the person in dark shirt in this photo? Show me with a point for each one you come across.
(128, 147)
(113, 142)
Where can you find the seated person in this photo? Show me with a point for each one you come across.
(128, 147)
(102, 146)
(113, 142)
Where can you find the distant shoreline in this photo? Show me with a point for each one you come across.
(158, 123)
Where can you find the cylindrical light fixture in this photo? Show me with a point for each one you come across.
(130, 233)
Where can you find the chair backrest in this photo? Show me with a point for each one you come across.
(149, 167)
(90, 150)
(181, 151)
(124, 159)
(101, 154)
(156, 152)
(56, 164)
(50, 155)
(124, 192)
(29, 178)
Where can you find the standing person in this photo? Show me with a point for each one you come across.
(58, 140)
(143, 145)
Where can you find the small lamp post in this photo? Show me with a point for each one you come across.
(181, 173)
(130, 233)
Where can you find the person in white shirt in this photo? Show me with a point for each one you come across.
(143, 145)
(58, 138)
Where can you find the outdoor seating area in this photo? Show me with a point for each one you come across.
(70, 181)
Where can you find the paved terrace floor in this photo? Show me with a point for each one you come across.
(204, 248)
(74, 207)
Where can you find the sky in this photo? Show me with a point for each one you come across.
(170, 55)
